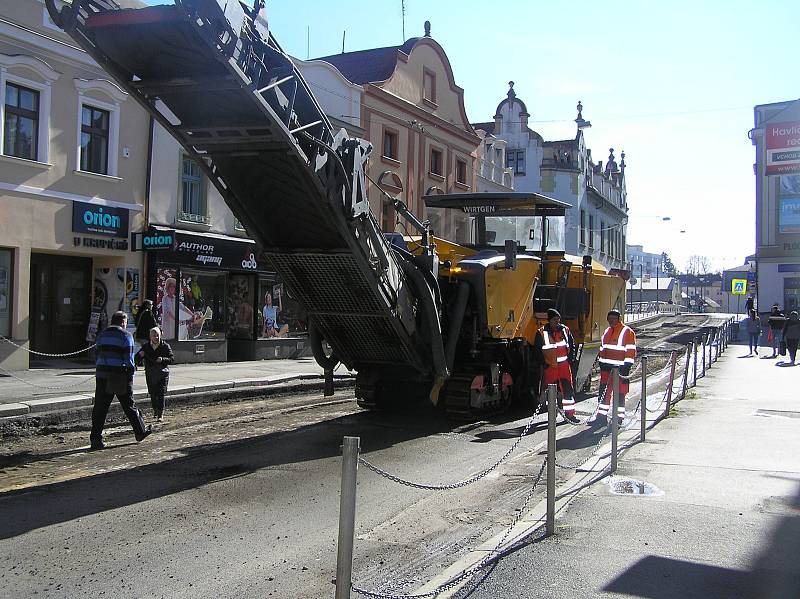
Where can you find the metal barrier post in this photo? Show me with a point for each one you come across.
(614, 424)
(704, 354)
(347, 517)
(644, 398)
(551, 459)
(686, 371)
(672, 361)
(694, 370)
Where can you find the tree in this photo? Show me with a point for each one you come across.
(698, 265)
(667, 266)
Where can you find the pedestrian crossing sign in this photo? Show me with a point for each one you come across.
(739, 287)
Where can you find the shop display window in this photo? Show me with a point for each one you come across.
(201, 309)
(5, 292)
(166, 292)
(241, 299)
(279, 314)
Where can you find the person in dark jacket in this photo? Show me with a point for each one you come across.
(776, 322)
(157, 356)
(145, 321)
(114, 376)
(752, 325)
(791, 334)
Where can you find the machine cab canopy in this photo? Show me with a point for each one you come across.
(532, 219)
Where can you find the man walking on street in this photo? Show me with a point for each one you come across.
(114, 376)
(617, 350)
(776, 322)
(557, 345)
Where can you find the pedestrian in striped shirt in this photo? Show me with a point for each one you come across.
(114, 376)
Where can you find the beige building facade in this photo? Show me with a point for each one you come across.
(413, 112)
(73, 171)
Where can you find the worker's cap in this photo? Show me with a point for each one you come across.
(614, 312)
(553, 313)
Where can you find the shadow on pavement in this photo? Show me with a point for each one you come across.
(655, 577)
(195, 466)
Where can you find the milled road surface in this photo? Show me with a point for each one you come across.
(240, 500)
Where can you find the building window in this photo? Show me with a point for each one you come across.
(515, 160)
(602, 237)
(21, 122)
(429, 86)
(94, 140)
(591, 231)
(390, 149)
(201, 306)
(583, 227)
(5, 292)
(279, 314)
(387, 218)
(461, 171)
(436, 163)
(193, 192)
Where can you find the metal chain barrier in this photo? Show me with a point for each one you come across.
(467, 573)
(381, 472)
(83, 381)
(38, 353)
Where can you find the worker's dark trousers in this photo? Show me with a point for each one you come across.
(102, 401)
(157, 384)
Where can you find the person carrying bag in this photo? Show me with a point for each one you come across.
(157, 356)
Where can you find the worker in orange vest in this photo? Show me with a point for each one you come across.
(554, 340)
(617, 350)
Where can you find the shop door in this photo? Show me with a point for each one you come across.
(61, 296)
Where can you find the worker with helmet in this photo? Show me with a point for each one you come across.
(617, 350)
(557, 346)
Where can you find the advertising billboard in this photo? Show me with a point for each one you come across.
(789, 215)
(783, 148)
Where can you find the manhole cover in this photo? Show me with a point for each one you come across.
(630, 486)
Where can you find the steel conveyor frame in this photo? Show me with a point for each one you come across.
(282, 160)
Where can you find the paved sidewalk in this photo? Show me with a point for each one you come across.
(41, 390)
(727, 523)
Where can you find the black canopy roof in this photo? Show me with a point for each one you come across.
(515, 203)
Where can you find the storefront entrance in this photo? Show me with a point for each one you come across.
(60, 303)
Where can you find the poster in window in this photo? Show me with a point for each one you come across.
(789, 215)
(165, 301)
(279, 314)
(240, 307)
(109, 294)
(131, 296)
(790, 185)
(201, 313)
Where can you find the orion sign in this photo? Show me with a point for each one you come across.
(152, 240)
(99, 220)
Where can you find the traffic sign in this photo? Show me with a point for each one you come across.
(739, 286)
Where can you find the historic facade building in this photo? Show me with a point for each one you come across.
(413, 113)
(73, 165)
(596, 224)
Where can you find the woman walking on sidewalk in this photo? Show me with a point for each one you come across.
(753, 326)
(791, 334)
(157, 356)
(776, 322)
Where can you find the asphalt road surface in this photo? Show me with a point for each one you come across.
(241, 500)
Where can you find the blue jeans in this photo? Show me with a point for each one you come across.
(753, 340)
(776, 340)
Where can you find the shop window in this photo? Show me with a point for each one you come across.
(193, 192)
(461, 171)
(94, 140)
(5, 292)
(21, 122)
(390, 146)
(201, 309)
(166, 294)
(436, 163)
(241, 324)
(279, 314)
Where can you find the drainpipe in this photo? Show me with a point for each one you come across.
(148, 181)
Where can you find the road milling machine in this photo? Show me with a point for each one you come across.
(409, 314)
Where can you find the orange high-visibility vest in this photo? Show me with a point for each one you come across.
(555, 348)
(618, 347)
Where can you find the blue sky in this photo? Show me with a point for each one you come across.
(671, 83)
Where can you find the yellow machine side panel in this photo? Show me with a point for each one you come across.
(509, 299)
(608, 291)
